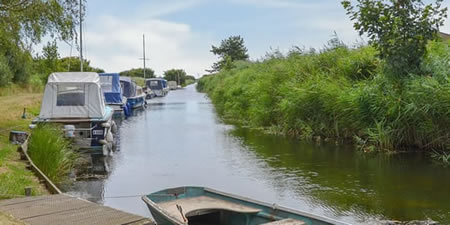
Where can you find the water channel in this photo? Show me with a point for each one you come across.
(179, 140)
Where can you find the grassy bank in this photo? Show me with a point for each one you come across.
(341, 94)
(14, 176)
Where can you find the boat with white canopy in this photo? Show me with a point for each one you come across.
(75, 100)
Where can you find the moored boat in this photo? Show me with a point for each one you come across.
(158, 86)
(201, 206)
(110, 83)
(75, 100)
(134, 94)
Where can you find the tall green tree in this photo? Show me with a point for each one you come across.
(175, 74)
(138, 72)
(51, 56)
(72, 64)
(23, 23)
(230, 50)
(399, 29)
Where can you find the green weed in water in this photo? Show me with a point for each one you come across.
(50, 151)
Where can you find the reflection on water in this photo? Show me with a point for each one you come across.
(178, 140)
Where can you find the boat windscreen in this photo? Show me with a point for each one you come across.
(106, 83)
(128, 88)
(70, 95)
(154, 84)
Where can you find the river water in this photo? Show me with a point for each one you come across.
(179, 141)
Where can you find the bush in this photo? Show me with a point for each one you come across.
(5, 73)
(339, 93)
(50, 151)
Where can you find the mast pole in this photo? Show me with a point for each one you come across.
(81, 37)
(143, 46)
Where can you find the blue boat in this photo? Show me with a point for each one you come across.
(112, 90)
(158, 86)
(134, 94)
(200, 206)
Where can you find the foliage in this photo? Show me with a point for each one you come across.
(138, 72)
(190, 80)
(339, 93)
(15, 176)
(24, 23)
(51, 153)
(399, 30)
(176, 75)
(72, 64)
(230, 50)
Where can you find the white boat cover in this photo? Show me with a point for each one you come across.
(73, 95)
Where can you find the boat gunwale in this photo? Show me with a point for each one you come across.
(153, 204)
(245, 199)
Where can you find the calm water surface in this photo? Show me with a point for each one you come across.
(179, 140)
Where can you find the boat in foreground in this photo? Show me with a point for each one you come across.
(75, 101)
(201, 206)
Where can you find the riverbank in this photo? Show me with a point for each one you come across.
(14, 176)
(340, 94)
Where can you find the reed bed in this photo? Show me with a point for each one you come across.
(343, 94)
(51, 152)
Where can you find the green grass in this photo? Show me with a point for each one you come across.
(50, 151)
(139, 81)
(340, 93)
(14, 176)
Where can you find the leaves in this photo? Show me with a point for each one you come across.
(175, 75)
(400, 30)
(138, 72)
(23, 23)
(230, 50)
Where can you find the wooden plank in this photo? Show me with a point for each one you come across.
(64, 209)
(14, 201)
(202, 203)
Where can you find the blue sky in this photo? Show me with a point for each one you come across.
(179, 33)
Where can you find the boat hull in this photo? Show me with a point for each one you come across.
(89, 134)
(230, 209)
(136, 102)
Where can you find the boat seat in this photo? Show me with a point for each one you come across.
(201, 203)
(286, 222)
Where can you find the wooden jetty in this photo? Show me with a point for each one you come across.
(65, 209)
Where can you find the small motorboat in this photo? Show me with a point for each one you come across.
(201, 206)
(172, 85)
(158, 86)
(110, 83)
(76, 102)
(134, 94)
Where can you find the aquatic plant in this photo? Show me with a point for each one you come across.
(51, 152)
(340, 93)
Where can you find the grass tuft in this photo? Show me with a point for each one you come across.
(50, 151)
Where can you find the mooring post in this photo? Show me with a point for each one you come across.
(27, 191)
(24, 115)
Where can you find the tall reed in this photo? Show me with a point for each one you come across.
(340, 93)
(51, 152)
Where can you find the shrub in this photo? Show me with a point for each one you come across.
(340, 93)
(50, 151)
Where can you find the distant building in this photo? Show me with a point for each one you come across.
(444, 36)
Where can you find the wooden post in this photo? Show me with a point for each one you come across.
(27, 191)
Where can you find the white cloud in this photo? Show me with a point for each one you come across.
(115, 44)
